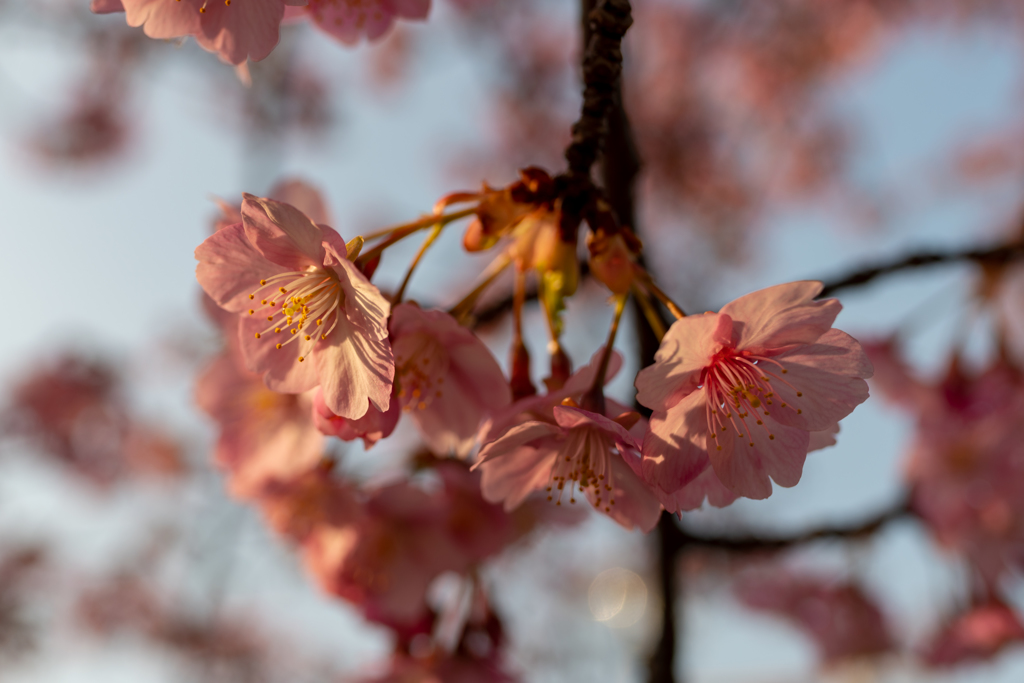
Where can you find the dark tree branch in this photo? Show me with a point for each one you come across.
(605, 23)
(750, 543)
(993, 256)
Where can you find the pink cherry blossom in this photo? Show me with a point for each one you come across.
(742, 390)
(841, 619)
(448, 380)
(300, 299)
(264, 435)
(298, 505)
(371, 427)
(977, 634)
(351, 20)
(579, 448)
(236, 31)
(409, 535)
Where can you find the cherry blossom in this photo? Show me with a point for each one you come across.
(447, 379)
(841, 619)
(264, 435)
(300, 298)
(236, 31)
(581, 449)
(966, 461)
(352, 20)
(742, 390)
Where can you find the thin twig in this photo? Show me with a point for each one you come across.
(754, 543)
(999, 255)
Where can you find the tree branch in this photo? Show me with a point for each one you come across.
(604, 24)
(993, 256)
(747, 543)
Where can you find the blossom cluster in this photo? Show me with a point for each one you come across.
(249, 29)
(737, 398)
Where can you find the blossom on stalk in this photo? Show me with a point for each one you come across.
(351, 20)
(741, 391)
(309, 317)
(447, 379)
(540, 444)
(236, 30)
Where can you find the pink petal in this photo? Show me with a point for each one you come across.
(828, 374)
(519, 435)
(746, 469)
(686, 349)
(282, 233)
(280, 368)
(243, 30)
(352, 368)
(106, 6)
(163, 19)
(673, 450)
(823, 439)
(692, 496)
(474, 388)
(230, 268)
(568, 417)
(781, 315)
(635, 505)
(517, 473)
(302, 195)
(366, 308)
(348, 21)
(371, 427)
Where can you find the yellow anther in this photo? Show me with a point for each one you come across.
(252, 296)
(251, 311)
(308, 337)
(257, 335)
(319, 322)
(270, 318)
(421, 405)
(263, 282)
(799, 393)
(277, 329)
(772, 437)
(279, 345)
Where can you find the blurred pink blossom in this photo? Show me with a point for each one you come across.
(352, 20)
(447, 379)
(839, 617)
(977, 634)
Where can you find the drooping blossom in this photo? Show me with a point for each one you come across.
(235, 31)
(741, 391)
(264, 435)
(371, 427)
(541, 445)
(966, 462)
(352, 20)
(309, 317)
(409, 535)
(839, 617)
(296, 506)
(447, 379)
(975, 635)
